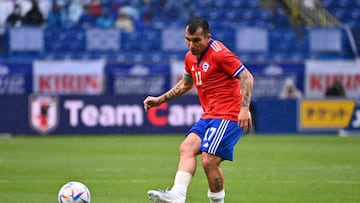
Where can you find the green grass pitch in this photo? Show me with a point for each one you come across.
(120, 169)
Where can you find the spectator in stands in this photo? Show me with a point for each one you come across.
(15, 18)
(105, 20)
(146, 19)
(336, 90)
(34, 15)
(45, 7)
(75, 11)
(87, 19)
(115, 5)
(146, 14)
(131, 11)
(124, 22)
(57, 16)
(6, 7)
(95, 8)
(290, 91)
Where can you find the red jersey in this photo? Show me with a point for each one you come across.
(215, 76)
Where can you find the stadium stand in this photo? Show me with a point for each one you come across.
(286, 28)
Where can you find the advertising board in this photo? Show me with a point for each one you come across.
(15, 78)
(123, 79)
(95, 114)
(68, 77)
(329, 114)
(320, 75)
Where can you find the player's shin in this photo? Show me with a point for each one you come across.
(181, 183)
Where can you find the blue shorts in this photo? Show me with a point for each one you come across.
(218, 136)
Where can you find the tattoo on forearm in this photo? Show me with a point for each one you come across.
(246, 84)
(176, 91)
(245, 101)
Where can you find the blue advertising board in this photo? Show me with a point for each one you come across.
(276, 116)
(117, 114)
(270, 79)
(46, 114)
(123, 79)
(15, 78)
(14, 116)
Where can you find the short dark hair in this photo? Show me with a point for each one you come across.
(198, 22)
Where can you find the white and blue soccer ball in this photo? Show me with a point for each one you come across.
(74, 192)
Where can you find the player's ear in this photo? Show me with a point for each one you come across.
(208, 36)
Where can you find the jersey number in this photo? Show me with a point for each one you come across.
(198, 80)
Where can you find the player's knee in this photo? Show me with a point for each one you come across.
(187, 150)
(206, 162)
(190, 146)
(209, 161)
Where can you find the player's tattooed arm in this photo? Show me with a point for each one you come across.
(173, 93)
(246, 85)
(184, 85)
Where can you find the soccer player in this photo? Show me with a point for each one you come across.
(224, 87)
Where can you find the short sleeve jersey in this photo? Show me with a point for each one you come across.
(215, 74)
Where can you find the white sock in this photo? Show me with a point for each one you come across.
(216, 197)
(181, 183)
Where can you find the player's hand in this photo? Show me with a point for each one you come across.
(244, 119)
(150, 102)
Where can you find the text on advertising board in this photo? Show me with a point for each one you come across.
(326, 113)
(67, 83)
(320, 75)
(108, 115)
(68, 77)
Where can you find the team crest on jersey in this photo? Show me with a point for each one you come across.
(43, 113)
(205, 66)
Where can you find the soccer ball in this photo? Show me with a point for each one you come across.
(74, 192)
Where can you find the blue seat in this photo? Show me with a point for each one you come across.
(233, 14)
(355, 13)
(250, 14)
(203, 3)
(238, 4)
(345, 4)
(216, 14)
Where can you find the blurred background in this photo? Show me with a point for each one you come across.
(85, 66)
